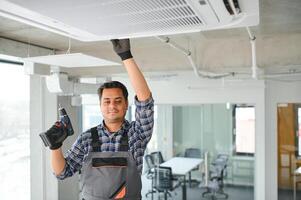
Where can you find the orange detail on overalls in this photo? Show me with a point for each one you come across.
(121, 194)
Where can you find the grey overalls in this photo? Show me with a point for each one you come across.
(110, 175)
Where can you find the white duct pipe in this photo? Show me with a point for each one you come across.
(252, 41)
(174, 45)
(288, 74)
(251, 36)
(253, 53)
(254, 65)
(205, 74)
(197, 72)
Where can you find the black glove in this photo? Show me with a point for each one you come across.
(55, 136)
(122, 48)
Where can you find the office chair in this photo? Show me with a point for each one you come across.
(192, 153)
(164, 181)
(150, 173)
(157, 157)
(217, 172)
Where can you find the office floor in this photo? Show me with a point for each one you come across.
(284, 194)
(195, 193)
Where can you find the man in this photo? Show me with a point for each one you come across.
(110, 156)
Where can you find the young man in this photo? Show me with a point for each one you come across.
(110, 156)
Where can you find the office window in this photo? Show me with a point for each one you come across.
(244, 130)
(14, 133)
(91, 116)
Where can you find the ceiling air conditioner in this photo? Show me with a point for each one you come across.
(92, 20)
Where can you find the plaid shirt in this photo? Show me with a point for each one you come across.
(139, 133)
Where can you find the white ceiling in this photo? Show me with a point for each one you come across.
(278, 44)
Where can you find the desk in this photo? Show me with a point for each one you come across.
(181, 167)
(297, 172)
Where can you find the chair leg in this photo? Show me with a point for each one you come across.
(165, 195)
(189, 178)
(151, 192)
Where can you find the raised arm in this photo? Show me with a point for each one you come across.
(123, 49)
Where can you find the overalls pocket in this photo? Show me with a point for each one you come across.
(106, 178)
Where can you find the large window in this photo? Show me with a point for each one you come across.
(91, 116)
(244, 129)
(14, 133)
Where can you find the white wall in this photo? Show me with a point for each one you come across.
(43, 106)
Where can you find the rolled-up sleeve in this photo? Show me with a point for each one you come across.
(74, 159)
(144, 121)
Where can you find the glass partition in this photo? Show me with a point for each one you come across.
(214, 129)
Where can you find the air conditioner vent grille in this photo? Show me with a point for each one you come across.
(92, 20)
(142, 15)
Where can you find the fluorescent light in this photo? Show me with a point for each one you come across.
(71, 60)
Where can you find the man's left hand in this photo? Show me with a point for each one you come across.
(122, 48)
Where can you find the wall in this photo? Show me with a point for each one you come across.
(43, 183)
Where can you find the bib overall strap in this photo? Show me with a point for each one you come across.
(96, 143)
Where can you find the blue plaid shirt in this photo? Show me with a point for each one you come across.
(139, 133)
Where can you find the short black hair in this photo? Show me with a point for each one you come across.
(113, 84)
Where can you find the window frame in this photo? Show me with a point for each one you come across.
(296, 107)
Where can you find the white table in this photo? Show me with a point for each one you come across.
(181, 166)
(297, 172)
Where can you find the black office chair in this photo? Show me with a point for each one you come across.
(157, 157)
(164, 181)
(150, 173)
(192, 153)
(217, 172)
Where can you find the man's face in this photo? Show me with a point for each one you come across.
(113, 105)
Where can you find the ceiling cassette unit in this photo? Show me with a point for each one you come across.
(93, 20)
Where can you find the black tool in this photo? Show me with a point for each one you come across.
(55, 136)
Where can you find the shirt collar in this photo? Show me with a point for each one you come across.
(121, 131)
